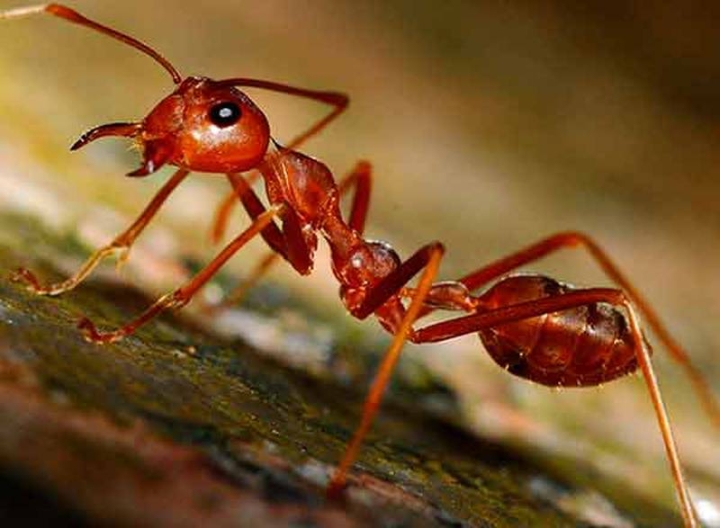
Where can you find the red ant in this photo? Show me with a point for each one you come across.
(531, 325)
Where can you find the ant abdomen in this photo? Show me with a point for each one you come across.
(580, 346)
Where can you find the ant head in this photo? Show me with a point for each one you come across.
(203, 126)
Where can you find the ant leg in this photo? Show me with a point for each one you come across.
(358, 181)
(121, 244)
(428, 258)
(338, 101)
(223, 211)
(574, 239)
(288, 242)
(686, 506)
(473, 323)
(183, 295)
(242, 190)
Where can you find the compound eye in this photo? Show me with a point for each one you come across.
(225, 114)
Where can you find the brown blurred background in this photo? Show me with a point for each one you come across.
(489, 125)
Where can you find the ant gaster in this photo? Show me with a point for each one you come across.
(531, 325)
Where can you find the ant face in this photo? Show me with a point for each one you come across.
(204, 126)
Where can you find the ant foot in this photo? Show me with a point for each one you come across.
(336, 489)
(93, 335)
(27, 277)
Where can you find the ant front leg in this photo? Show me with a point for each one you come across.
(184, 294)
(358, 182)
(120, 245)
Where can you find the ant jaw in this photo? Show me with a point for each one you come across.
(111, 129)
(155, 154)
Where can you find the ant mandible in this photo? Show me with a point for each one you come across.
(533, 326)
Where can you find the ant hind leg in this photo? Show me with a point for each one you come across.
(429, 258)
(574, 239)
(479, 321)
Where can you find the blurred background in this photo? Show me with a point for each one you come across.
(489, 126)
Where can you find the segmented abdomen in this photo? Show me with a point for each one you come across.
(582, 346)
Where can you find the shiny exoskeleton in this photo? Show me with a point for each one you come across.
(533, 326)
(579, 347)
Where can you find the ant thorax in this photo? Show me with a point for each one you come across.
(307, 188)
(302, 183)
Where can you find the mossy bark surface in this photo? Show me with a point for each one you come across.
(177, 426)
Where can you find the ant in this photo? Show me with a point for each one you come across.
(531, 325)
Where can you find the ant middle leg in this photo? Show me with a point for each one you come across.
(427, 259)
(120, 245)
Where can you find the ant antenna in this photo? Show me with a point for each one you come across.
(73, 16)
